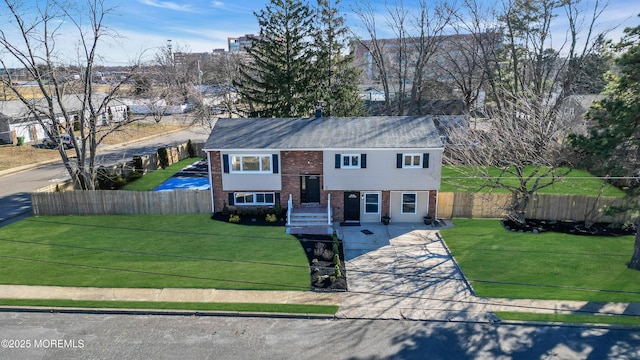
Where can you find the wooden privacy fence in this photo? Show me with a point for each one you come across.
(111, 202)
(450, 205)
(542, 206)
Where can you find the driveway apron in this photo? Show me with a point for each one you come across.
(402, 271)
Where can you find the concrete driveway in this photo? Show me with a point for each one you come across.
(402, 271)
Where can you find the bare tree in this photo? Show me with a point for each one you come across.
(471, 51)
(520, 152)
(39, 29)
(401, 63)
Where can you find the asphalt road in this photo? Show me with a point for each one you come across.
(15, 188)
(91, 336)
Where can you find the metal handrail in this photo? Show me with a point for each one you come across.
(328, 209)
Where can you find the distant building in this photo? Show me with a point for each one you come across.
(241, 43)
(573, 109)
(185, 59)
(448, 48)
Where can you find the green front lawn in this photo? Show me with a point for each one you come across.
(153, 179)
(577, 182)
(150, 251)
(554, 266)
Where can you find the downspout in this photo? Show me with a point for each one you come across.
(213, 210)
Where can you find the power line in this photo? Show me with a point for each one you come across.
(398, 272)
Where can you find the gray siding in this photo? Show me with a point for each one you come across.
(381, 172)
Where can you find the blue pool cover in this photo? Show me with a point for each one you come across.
(193, 177)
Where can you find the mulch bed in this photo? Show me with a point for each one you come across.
(256, 220)
(319, 251)
(570, 227)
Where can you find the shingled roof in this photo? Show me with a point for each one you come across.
(324, 133)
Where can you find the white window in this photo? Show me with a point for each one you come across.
(411, 161)
(371, 203)
(254, 198)
(251, 163)
(350, 161)
(409, 202)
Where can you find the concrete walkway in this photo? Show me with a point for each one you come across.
(406, 272)
(400, 271)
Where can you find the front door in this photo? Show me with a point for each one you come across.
(352, 206)
(310, 189)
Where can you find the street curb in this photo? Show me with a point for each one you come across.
(160, 312)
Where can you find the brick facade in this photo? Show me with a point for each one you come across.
(295, 164)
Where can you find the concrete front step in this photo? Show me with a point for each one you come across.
(310, 230)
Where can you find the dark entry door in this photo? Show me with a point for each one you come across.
(310, 189)
(352, 206)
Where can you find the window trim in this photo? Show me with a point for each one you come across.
(350, 156)
(377, 203)
(413, 155)
(260, 165)
(255, 197)
(415, 203)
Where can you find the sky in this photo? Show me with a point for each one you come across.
(144, 26)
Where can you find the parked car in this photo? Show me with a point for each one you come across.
(65, 140)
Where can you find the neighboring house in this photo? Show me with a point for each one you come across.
(16, 121)
(346, 169)
(574, 108)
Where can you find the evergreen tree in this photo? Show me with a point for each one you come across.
(276, 81)
(336, 88)
(612, 147)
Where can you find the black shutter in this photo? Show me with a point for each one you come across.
(425, 160)
(363, 161)
(225, 163)
(338, 161)
(232, 198)
(277, 199)
(399, 161)
(274, 158)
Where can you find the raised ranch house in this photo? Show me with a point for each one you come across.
(328, 169)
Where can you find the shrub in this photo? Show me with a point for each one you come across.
(336, 260)
(234, 219)
(278, 210)
(337, 273)
(190, 149)
(225, 210)
(134, 175)
(271, 218)
(137, 163)
(163, 157)
(336, 242)
(108, 181)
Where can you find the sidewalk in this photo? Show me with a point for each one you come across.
(168, 295)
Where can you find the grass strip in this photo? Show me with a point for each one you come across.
(632, 320)
(151, 180)
(192, 306)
